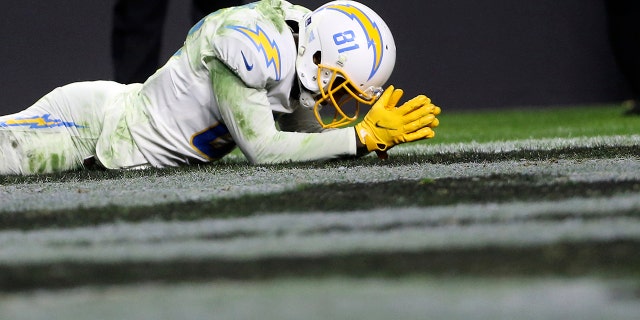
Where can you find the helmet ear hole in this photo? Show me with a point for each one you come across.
(317, 57)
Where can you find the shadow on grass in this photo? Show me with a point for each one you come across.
(334, 197)
(604, 259)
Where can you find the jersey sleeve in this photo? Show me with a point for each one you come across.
(247, 114)
(262, 54)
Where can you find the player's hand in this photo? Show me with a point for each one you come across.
(386, 125)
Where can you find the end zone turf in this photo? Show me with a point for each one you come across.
(479, 222)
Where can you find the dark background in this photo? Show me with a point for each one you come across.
(465, 54)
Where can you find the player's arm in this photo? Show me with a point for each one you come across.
(247, 114)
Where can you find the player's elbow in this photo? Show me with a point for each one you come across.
(268, 152)
(270, 149)
(258, 155)
(260, 161)
(260, 158)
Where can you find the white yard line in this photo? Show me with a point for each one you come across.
(506, 225)
(228, 183)
(514, 145)
(337, 298)
(208, 184)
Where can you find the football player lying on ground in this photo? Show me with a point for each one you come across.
(253, 76)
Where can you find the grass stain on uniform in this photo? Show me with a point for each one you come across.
(37, 163)
(57, 162)
(229, 90)
(273, 13)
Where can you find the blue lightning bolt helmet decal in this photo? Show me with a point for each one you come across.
(370, 28)
(264, 44)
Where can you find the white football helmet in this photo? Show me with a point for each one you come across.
(345, 52)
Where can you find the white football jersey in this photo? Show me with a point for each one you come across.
(222, 89)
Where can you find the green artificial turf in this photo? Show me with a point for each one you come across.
(534, 123)
(534, 208)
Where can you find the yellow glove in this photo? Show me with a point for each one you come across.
(386, 125)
